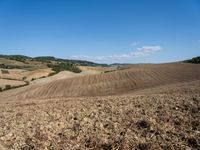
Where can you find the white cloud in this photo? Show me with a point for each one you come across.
(139, 52)
(119, 56)
(81, 57)
(134, 43)
(149, 49)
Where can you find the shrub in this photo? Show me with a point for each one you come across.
(64, 66)
(7, 87)
(195, 60)
(107, 71)
(4, 71)
(32, 79)
(51, 74)
(24, 78)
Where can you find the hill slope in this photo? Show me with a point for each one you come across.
(153, 107)
(134, 78)
(158, 121)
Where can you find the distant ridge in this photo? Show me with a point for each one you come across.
(22, 58)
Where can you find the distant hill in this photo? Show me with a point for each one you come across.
(120, 64)
(47, 59)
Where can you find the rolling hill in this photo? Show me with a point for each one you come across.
(133, 78)
(141, 106)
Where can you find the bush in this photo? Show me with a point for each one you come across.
(24, 78)
(4, 71)
(51, 74)
(64, 66)
(195, 60)
(107, 71)
(7, 87)
(20, 58)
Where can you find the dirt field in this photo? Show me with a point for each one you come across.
(38, 72)
(141, 107)
(158, 121)
(19, 74)
(16, 74)
(118, 82)
(68, 74)
(12, 83)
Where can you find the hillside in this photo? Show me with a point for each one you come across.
(133, 78)
(168, 120)
(141, 106)
(20, 70)
(48, 59)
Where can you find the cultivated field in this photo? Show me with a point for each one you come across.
(136, 107)
(111, 83)
(17, 69)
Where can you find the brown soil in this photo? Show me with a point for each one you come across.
(12, 83)
(142, 107)
(118, 82)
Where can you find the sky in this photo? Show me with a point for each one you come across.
(104, 31)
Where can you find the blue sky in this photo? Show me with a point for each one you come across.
(129, 31)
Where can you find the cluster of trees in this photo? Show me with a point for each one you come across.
(49, 59)
(6, 66)
(64, 66)
(13, 66)
(195, 60)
